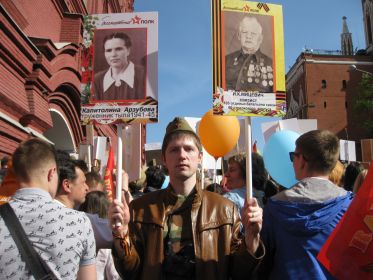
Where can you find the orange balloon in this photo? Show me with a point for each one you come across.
(218, 134)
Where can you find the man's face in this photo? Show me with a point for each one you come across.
(78, 187)
(235, 178)
(116, 53)
(250, 35)
(182, 158)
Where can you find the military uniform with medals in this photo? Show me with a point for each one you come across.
(249, 72)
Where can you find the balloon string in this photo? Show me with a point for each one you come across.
(215, 179)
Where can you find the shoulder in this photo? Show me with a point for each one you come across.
(263, 56)
(148, 199)
(149, 208)
(139, 70)
(232, 55)
(240, 192)
(100, 75)
(74, 217)
(213, 202)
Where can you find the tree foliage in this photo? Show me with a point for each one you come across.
(364, 103)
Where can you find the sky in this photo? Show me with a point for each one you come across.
(185, 52)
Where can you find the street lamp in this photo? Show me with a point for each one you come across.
(311, 105)
(354, 68)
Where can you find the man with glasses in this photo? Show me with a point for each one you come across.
(297, 221)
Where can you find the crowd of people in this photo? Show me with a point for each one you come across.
(167, 225)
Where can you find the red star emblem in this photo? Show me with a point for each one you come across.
(136, 20)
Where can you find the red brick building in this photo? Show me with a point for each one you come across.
(40, 74)
(323, 85)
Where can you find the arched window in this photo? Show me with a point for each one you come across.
(323, 83)
(324, 104)
(344, 84)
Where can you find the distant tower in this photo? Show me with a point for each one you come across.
(346, 40)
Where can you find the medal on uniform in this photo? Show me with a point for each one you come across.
(270, 76)
(270, 83)
(269, 69)
(235, 61)
(264, 83)
(251, 71)
(250, 80)
(257, 80)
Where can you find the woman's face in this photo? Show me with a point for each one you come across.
(235, 178)
(116, 53)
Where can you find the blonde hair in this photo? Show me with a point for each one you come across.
(359, 180)
(336, 176)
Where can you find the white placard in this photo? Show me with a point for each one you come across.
(347, 150)
(100, 152)
(132, 151)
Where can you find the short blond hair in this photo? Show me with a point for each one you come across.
(336, 176)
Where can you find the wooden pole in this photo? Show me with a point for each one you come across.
(248, 149)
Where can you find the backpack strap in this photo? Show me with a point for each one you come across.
(39, 269)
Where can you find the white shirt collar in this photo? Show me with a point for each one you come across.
(127, 76)
(59, 202)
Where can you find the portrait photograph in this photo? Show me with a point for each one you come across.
(248, 52)
(119, 65)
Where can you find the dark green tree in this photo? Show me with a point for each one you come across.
(364, 103)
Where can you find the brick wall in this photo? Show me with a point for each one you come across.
(71, 29)
(44, 20)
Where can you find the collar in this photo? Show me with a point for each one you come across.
(171, 196)
(255, 55)
(24, 193)
(59, 202)
(127, 76)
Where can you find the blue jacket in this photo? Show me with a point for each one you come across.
(293, 234)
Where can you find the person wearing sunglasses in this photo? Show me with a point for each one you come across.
(297, 221)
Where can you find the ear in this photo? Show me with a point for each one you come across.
(51, 173)
(261, 39)
(66, 186)
(238, 33)
(303, 163)
(200, 157)
(164, 160)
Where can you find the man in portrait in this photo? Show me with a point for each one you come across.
(123, 80)
(248, 69)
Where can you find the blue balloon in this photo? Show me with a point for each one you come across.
(165, 182)
(276, 157)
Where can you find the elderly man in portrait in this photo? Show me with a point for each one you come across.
(248, 69)
(123, 80)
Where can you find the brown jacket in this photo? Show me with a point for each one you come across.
(219, 250)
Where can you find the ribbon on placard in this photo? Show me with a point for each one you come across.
(264, 6)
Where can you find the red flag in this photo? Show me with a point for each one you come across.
(255, 149)
(348, 252)
(108, 177)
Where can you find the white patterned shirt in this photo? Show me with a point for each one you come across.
(63, 237)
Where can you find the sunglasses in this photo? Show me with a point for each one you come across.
(293, 154)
